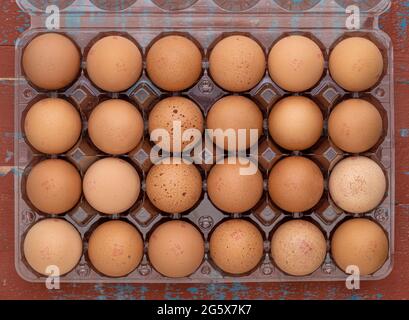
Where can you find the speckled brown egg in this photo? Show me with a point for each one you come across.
(54, 186)
(357, 184)
(361, 243)
(114, 63)
(237, 63)
(51, 61)
(298, 247)
(111, 185)
(174, 63)
(355, 125)
(296, 184)
(236, 246)
(356, 64)
(296, 123)
(52, 126)
(176, 249)
(296, 63)
(115, 248)
(52, 243)
(116, 126)
(235, 185)
(174, 187)
(241, 116)
(176, 112)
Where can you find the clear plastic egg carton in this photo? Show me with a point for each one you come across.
(206, 22)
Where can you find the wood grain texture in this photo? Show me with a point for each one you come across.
(396, 286)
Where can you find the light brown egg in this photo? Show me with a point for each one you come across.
(115, 248)
(176, 249)
(237, 63)
(114, 63)
(296, 123)
(236, 246)
(52, 126)
(357, 184)
(51, 61)
(356, 64)
(111, 185)
(362, 243)
(355, 125)
(172, 112)
(174, 63)
(52, 243)
(54, 186)
(298, 247)
(235, 185)
(296, 184)
(174, 187)
(296, 63)
(116, 126)
(236, 113)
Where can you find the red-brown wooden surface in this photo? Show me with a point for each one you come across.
(396, 286)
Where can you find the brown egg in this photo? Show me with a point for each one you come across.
(111, 185)
(176, 249)
(296, 123)
(298, 247)
(115, 248)
(296, 184)
(116, 126)
(174, 187)
(356, 64)
(235, 185)
(174, 63)
(54, 186)
(236, 246)
(236, 113)
(296, 63)
(52, 243)
(237, 63)
(167, 113)
(52, 126)
(114, 63)
(355, 125)
(51, 61)
(357, 184)
(362, 243)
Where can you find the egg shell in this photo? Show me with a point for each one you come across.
(236, 246)
(111, 185)
(296, 184)
(51, 61)
(356, 64)
(52, 126)
(174, 188)
(360, 242)
(296, 123)
(115, 248)
(236, 113)
(176, 249)
(114, 63)
(237, 63)
(357, 184)
(116, 126)
(355, 125)
(165, 115)
(296, 63)
(174, 63)
(231, 189)
(52, 243)
(53, 186)
(298, 247)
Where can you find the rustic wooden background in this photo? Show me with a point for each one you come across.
(396, 286)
